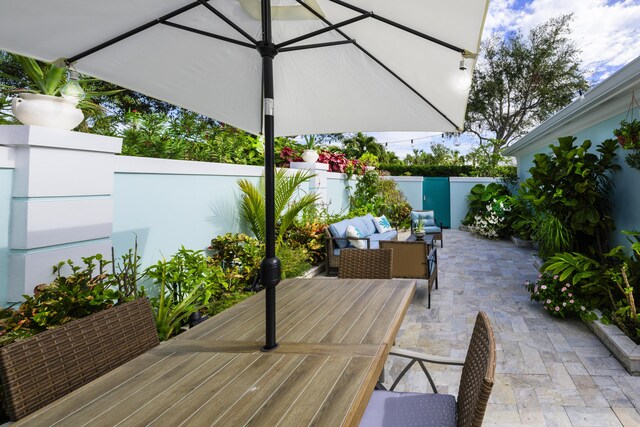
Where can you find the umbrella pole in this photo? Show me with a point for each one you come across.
(270, 266)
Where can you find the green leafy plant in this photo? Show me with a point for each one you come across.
(369, 159)
(239, 256)
(552, 235)
(378, 196)
(287, 206)
(522, 222)
(171, 314)
(125, 274)
(628, 135)
(571, 187)
(558, 298)
(480, 196)
(295, 261)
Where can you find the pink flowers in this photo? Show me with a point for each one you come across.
(570, 301)
(563, 289)
(543, 287)
(557, 308)
(555, 277)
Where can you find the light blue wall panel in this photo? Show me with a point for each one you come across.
(338, 195)
(412, 190)
(6, 185)
(460, 188)
(167, 211)
(626, 196)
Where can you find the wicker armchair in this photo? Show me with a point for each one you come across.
(414, 260)
(437, 233)
(388, 408)
(38, 370)
(366, 264)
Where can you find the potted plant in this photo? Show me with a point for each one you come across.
(310, 154)
(419, 229)
(628, 135)
(370, 161)
(48, 95)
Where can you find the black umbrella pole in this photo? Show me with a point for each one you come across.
(270, 267)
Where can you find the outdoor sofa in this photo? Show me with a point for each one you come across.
(336, 238)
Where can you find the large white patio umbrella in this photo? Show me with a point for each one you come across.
(282, 67)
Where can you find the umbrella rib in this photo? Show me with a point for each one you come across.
(208, 34)
(228, 21)
(133, 32)
(390, 71)
(313, 46)
(402, 27)
(324, 30)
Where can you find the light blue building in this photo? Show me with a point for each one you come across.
(594, 118)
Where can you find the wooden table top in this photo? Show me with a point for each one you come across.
(334, 336)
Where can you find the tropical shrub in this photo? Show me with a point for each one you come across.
(444, 170)
(489, 210)
(239, 256)
(294, 261)
(287, 206)
(568, 189)
(379, 196)
(480, 196)
(558, 298)
(85, 291)
(522, 221)
(308, 236)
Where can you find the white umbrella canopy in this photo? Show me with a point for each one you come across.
(287, 67)
(336, 88)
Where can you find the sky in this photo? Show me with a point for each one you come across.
(606, 31)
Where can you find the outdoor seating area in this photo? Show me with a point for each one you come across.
(549, 371)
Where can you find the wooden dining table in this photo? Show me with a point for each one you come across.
(334, 336)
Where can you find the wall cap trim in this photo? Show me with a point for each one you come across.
(38, 136)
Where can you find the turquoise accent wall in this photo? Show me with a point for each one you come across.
(626, 195)
(167, 211)
(6, 185)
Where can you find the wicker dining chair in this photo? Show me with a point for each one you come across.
(389, 408)
(365, 264)
(415, 260)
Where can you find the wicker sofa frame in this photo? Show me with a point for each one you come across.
(366, 264)
(333, 260)
(415, 260)
(38, 370)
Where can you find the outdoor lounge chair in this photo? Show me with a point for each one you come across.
(414, 260)
(366, 264)
(389, 408)
(430, 224)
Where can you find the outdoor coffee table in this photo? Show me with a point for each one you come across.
(428, 239)
(334, 336)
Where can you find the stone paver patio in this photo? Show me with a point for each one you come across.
(549, 371)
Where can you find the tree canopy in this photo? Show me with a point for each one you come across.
(520, 81)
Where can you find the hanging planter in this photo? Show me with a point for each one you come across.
(628, 135)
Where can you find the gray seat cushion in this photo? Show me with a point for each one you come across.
(388, 408)
(387, 235)
(432, 229)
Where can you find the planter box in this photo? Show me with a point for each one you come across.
(38, 370)
(623, 348)
(521, 243)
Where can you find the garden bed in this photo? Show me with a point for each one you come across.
(623, 348)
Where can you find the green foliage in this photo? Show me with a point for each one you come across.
(558, 297)
(369, 159)
(520, 81)
(287, 206)
(521, 218)
(440, 155)
(230, 300)
(481, 195)
(186, 271)
(187, 136)
(359, 144)
(295, 261)
(449, 170)
(628, 135)
(125, 274)
(239, 256)
(379, 196)
(170, 309)
(308, 236)
(552, 235)
(85, 291)
(569, 190)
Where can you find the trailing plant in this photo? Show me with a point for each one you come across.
(559, 298)
(571, 186)
(628, 135)
(239, 256)
(287, 206)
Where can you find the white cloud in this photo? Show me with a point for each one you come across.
(607, 33)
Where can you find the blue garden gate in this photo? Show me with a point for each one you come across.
(436, 196)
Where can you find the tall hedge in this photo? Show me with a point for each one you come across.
(457, 170)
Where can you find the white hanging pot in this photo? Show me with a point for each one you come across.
(310, 156)
(45, 110)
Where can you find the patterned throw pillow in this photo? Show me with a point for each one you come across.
(382, 224)
(353, 232)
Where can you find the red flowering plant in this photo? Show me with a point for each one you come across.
(558, 298)
(628, 134)
(288, 155)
